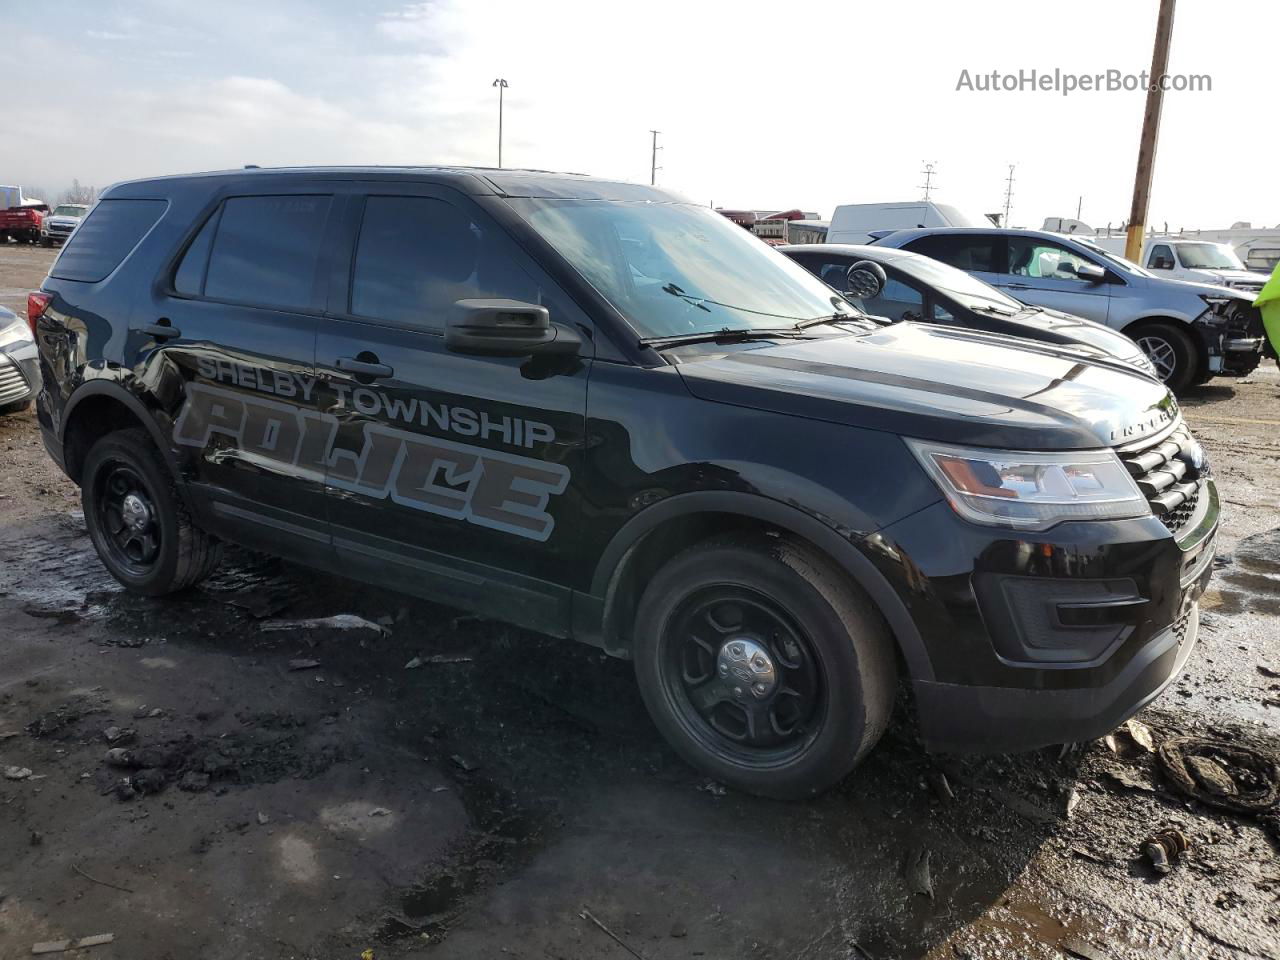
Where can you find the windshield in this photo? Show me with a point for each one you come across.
(1208, 256)
(676, 268)
(1120, 263)
(69, 210)
(963, 287)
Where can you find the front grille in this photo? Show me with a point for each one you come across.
(13, 385)
(60, 228)
(1166, 473)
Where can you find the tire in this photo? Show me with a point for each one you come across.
(1171, 350)
(823, 693)
(162, 551)
(46, 242)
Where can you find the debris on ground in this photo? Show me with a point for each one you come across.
(263, 819)
(1075, 947)
(1133, 738)
(463, 763)
(1164, 849)
(379, 812)
(339, 621)
(303, 664)
(1221, 774)
(1267, 670)
(586, 914)
(941, 786)
(418, 661)
(918, 876)
(17, 773)
(1128, 779)
(61, 946)
(713, 788)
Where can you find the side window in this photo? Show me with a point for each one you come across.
(108, 235)
(967, 252)
(1029, 257)
(265, 250)
(417, 256)
(1161, 257)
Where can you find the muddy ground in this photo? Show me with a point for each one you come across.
(492, 800)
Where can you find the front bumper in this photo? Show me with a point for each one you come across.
(1041, 638)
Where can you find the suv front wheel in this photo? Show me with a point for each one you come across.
(138, 523)
(763, 665)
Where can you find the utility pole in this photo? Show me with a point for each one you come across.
(1079, 206)
(1150, 132)
(927, 186)
(653, 159)
(1008, 195)
(501, 85)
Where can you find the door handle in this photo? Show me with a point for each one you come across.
(364, 368)
(161, 331)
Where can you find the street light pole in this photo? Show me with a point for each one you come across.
(501, 85)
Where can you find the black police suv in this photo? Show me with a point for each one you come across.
(601, 412)
(916, 288)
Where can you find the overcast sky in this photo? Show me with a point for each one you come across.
(767, 105)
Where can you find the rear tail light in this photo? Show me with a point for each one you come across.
(37, 304)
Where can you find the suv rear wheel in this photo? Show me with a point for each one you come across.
(1171, 352)
(763, 665)
(136, 519)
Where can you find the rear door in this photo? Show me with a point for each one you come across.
(238, 322)
(451, 476)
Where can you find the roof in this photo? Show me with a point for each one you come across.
(473, 180)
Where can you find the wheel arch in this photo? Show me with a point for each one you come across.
(652, 537)
(99, 407)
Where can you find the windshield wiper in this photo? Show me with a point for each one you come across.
(864, 318)
(999, 312)
(720, 336)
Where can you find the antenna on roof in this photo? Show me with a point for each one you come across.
(252, 166)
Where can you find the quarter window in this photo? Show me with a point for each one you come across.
(265, 251)
(105, 238)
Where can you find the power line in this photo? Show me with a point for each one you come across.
(928, 171)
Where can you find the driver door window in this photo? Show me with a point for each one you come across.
(1043, 260)
(1161, 257)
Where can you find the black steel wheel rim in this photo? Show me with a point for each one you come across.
(126, 517)
(743, 678)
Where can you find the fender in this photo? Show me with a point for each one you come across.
(112, 389)
(844, 552)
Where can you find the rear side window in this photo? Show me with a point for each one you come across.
(965, 251)
(105, 237)
(264, 252)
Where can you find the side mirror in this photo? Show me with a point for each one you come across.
(1091, 272)
(866, 280)
(506, 328)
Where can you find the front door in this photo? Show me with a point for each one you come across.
(240, 320)
(1044, 273)
(450, 476)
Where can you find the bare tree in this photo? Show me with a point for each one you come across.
(79, 193)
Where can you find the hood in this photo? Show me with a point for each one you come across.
(1194, 287)
(1247, 277)
(1065, 328)
(943, 384)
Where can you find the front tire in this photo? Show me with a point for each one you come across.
(137, 521)
(1171, 351)
(763, 665)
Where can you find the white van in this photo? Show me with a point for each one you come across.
(861, 222)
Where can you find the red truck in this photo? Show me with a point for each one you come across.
(22, 222)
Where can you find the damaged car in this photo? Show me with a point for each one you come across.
(603, 412)
(19, 367)
(1191, 332)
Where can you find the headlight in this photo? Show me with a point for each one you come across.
(1031, 491)
(14, 333)
(1213, 301)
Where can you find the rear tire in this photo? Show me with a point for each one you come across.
(764, 665)
(1172, 352)
(138, 522)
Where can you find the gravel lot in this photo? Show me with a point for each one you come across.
(494, 799)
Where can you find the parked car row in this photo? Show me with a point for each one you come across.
(602, 412)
